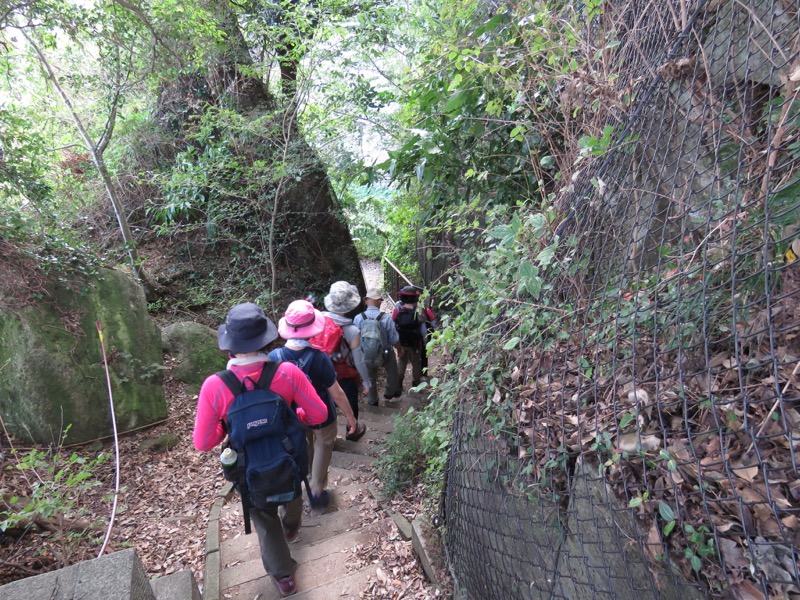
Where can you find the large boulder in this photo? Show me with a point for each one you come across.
(194, 346)
(52, 365)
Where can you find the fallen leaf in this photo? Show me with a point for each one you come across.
(746, 473)
(744, 590)
(633, 442)
(733, 554)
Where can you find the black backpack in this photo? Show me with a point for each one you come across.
(407, 324)
(270, 442)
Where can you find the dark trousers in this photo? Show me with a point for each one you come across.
(350, 388)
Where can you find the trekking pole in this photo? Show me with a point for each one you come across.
(116, 440)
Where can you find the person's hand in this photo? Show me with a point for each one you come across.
(400, 352)
(365, 388)
(352, 425)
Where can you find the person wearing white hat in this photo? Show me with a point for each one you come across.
(343, 298)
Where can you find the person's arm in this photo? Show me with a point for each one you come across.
(208, 431)
(293, 385)
(432, 319)
(340, 399)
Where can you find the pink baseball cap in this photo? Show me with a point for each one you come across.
(301, 321)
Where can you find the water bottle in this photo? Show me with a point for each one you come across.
(228, 458)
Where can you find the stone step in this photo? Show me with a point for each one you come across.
(369, 445)
(318, 561)
(354, 462)
(342, 587)
(177, 586)
(374, 423)
(348, 587)
(314, 529)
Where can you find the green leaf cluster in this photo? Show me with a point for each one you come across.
(58, 481)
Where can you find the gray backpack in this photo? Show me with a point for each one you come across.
(372, 344)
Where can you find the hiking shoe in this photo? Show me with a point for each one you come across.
(395, 395)
(286, 585)
(372, 402)
(361, 429)
(320, 501)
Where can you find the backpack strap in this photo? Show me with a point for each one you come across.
(231, 381)
(267, 374)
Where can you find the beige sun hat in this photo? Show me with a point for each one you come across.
(374, 294)
(342, 297)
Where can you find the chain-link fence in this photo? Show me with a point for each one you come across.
(665, 435)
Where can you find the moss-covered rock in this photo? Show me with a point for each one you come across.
(52, 365)
(194, 345)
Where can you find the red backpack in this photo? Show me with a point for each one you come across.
(331, 341)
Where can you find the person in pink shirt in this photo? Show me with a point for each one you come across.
(246, 334)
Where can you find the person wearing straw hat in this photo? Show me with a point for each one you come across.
(373, 300)
(246, 334)
(343, 298)
(300, 322)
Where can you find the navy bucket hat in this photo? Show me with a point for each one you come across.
(246, 329)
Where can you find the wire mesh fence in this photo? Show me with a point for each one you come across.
(664, 436)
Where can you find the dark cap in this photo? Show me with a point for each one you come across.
(246, 329)
(409, 291)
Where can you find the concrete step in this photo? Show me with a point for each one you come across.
(348, 587)
(314, 529)
(318, 561)
(369, 445)
(343, 587)
(354, 462)
(177, 586)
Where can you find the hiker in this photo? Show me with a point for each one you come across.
(343, 298)
(246, 334)
(381, 355)
(300, 322)
(411, 329)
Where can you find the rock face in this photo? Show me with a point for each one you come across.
(194, 345)
(52, 365)
(503, 543)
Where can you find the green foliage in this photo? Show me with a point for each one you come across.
(57, 482)
(403, 458)
(23, 166)
(700, 545)
(366, 210)
(413, 443)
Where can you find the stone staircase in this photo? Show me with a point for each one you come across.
(327, 548)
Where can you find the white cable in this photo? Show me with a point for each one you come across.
(116, 443)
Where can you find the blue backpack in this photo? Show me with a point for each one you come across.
(270, 442)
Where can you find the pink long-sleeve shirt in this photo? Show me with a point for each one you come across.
(215, 399)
